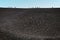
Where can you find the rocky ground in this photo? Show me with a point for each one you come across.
(29, 24)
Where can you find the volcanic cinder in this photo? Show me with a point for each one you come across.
(31, 23)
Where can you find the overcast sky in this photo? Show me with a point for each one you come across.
(30, 3)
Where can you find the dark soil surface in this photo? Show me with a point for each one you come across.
(30, 24)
